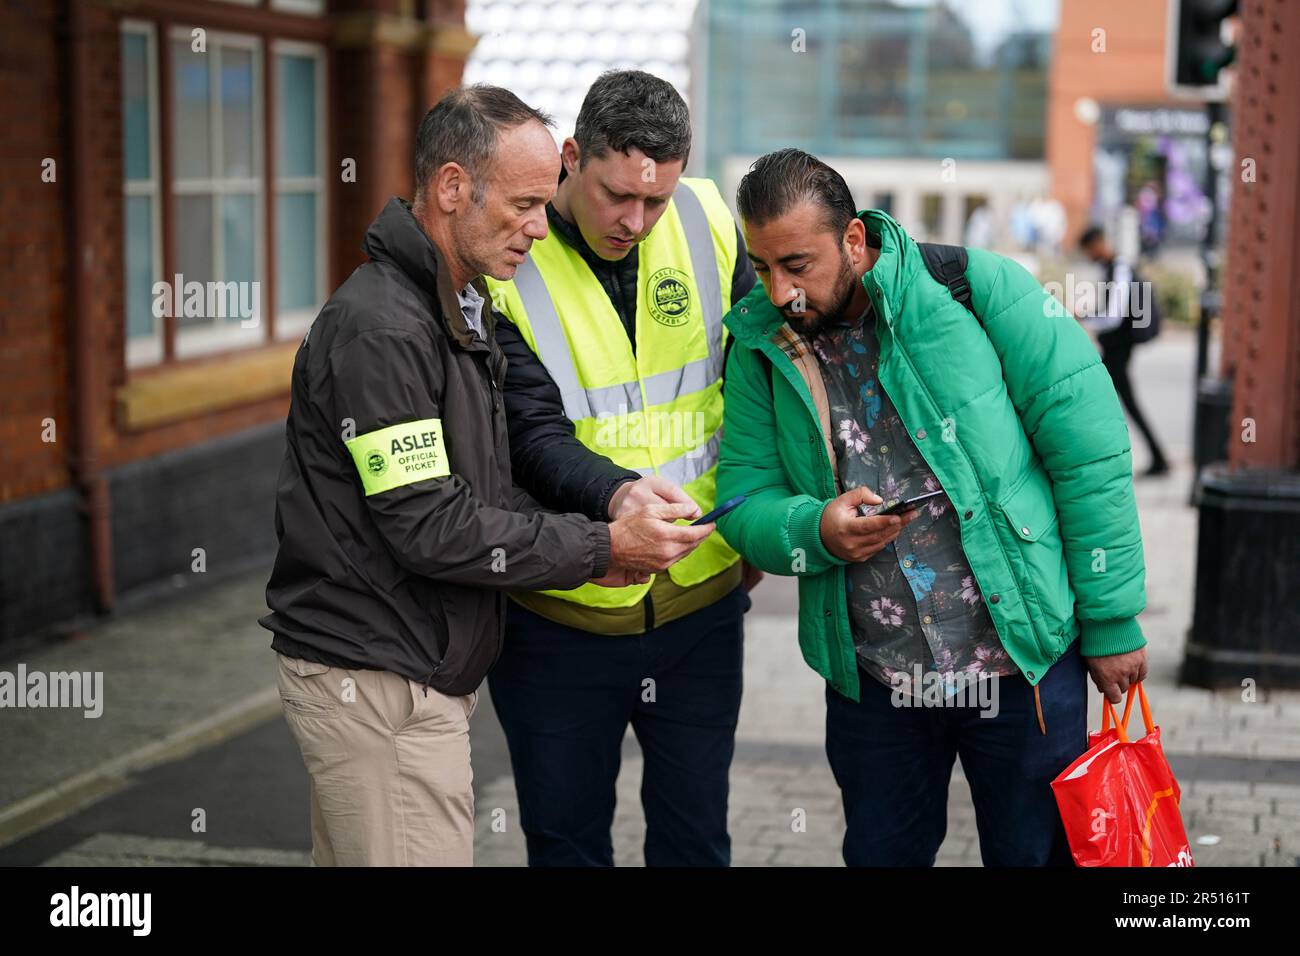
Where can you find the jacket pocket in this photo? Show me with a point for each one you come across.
(302, 691)
(434, 631)
(302, 668)
(1034, 525)
(303, 706)
(1030, 509)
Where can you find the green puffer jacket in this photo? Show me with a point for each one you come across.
(1014, 413)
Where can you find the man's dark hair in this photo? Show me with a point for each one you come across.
(779, 181)
(629, 108)
(463, 127)
(1091, 235)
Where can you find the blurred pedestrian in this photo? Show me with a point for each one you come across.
(1126, 315)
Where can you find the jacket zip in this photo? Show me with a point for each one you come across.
(495, 396)
(437, 667)
(827, 470)
(495, 393)
(975, 474)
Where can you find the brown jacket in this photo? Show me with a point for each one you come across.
(397, 542)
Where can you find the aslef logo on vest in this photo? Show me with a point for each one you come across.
(668, 292)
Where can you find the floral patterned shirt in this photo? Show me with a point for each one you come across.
(915, 603)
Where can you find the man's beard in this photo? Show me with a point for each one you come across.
(813, 321)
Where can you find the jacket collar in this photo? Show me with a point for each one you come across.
(566, 230)
(754, 319)
(397, 238)
(571, 235)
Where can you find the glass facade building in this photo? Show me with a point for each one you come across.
(867, 78)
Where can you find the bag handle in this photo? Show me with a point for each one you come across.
(1108, 712)
(1121, 725)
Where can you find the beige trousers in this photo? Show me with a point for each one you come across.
(391, 783)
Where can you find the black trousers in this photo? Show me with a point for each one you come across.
(1116, 350)
(894, 764)
(565, 697)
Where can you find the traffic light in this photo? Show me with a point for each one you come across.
(1199, 52)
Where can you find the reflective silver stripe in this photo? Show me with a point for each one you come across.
(552, 345)
(690, 378)
(614, 399)
(686, 468)
(704, 263)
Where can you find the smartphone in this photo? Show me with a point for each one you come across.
(898, 507)
(721, 510)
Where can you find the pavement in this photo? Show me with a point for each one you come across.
(191, 762)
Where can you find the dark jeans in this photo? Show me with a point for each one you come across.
(565, 698)
(1116, 351)
(893, 765)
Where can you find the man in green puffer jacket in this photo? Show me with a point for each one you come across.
(966, 626)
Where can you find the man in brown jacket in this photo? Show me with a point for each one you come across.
(399, 525)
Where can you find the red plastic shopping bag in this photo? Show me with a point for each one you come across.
(1119, 800)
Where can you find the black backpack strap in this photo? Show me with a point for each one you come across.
(947, 264)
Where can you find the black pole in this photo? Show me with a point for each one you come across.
(1212, 394)
(1210, 256)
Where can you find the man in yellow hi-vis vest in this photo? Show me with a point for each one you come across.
(613, 333)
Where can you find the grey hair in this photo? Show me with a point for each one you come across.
(781, 180)
(630, 108)
(463, 127)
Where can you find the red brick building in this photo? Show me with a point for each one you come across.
(1114, 131)
(242, 144)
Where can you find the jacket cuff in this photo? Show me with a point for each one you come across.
(1103, 638)
(804, 531)
(602, 504)
(600, 564)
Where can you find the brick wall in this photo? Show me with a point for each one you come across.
(34, 356)
(1131, 70)
(378, 90)
(385, 68)
(1261, 325)
(380, 138)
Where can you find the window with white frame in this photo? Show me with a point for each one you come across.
(142, 210)
(227, 219)
(299, 6)
(299, 186)
(217, 188)
(288, 6)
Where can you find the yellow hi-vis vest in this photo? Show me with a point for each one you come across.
(658, 411)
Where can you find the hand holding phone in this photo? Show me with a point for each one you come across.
(720, 510)
(898, 507)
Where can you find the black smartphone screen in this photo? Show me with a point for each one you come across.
(899, 507)
(905, 506)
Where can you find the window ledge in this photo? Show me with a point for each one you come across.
(189, 391)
